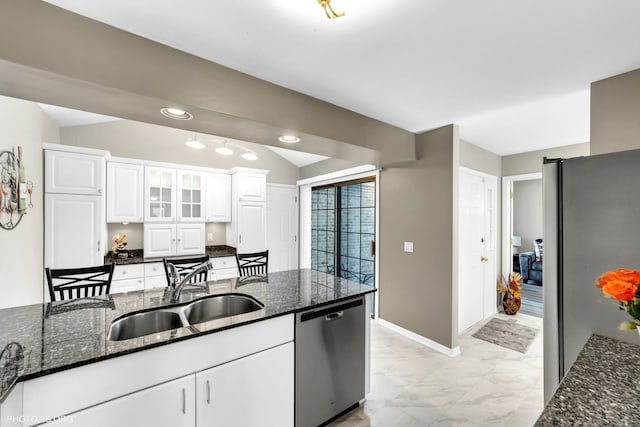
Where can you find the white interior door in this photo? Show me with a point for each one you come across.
(477, 249)
(282, 225)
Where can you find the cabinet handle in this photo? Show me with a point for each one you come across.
(240, 238)
(184, 401)
(99, 190)
(208, 392)
(98, 245)
(124, 272)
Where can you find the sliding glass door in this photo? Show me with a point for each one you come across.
(343, 230)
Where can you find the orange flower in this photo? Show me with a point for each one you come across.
(623, 274)
(620, 290)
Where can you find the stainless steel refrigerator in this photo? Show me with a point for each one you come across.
(591, 220)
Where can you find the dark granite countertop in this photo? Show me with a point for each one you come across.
(601, 388)
(136, 256)
(42, 339)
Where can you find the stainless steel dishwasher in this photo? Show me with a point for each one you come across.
(330, 359)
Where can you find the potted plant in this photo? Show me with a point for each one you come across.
(511, 300)
(622, 285)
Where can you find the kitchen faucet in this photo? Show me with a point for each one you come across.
(177, 284)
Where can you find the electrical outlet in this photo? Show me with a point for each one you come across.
(209, 237)
(408, 246)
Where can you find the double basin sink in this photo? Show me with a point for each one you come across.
(135, 325)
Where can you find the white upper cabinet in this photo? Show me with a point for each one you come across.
(159, 195)
(191, 200)
(252, 186)
(218, 197)
(159, 240)
(190, 239)
(74, 173)
(125, 192)
(162, 240)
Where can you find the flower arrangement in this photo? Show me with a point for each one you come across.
(511, 300)
(624, 286)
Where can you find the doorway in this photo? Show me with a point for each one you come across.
(343, 230)
(477, 253)
(522, 224)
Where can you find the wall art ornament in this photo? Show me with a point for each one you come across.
(15, 189)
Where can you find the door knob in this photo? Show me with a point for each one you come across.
(484, 259)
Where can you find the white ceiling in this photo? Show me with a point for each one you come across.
(513, 74)
(298, 158)
(64, 117)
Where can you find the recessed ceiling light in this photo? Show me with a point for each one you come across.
(289, 139)
(224, 150)
(250, 156)
(176, 113)
(194, 143)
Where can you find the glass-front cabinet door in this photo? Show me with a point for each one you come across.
(191, 207)
(160, 194)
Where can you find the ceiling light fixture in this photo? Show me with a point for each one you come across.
(249, 156)
(289, 139)
(326, 6)
(194, 143)
(224, 150)
(176, 113)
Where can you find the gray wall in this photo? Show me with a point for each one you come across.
(527, 212)
(615, 113)
(21, 251)
(326, 166)
(417, 204)
(124, 138)
(531, 162)
(479, 159)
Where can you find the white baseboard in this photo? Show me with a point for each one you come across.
(451, 352)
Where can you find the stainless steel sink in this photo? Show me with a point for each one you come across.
(136, 325)
(220, 306)
(139, 324)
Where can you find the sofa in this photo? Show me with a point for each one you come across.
(531, 268)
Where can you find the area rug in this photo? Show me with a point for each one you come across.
(508, 334)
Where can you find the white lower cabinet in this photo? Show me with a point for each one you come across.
(256, 390)
(154, 275)
(223, 268)
(172, 404)
(242, 376)
(127, 277)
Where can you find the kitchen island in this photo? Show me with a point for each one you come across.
(49, 343)
(600, 389)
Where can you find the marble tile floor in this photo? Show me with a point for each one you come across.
(487, 385)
